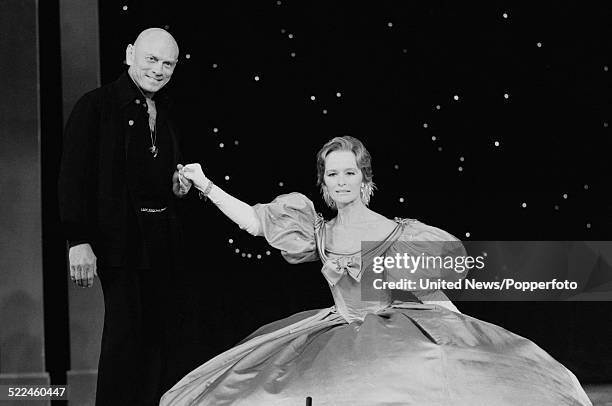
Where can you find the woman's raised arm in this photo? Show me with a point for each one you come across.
(237, 211)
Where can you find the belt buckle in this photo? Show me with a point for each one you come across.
(150, 210)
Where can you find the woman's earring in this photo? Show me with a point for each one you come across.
(367, 190)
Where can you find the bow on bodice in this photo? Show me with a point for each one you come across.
(335, 268)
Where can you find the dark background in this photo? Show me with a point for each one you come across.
(552, 132)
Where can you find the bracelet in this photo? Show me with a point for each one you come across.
(204, 194)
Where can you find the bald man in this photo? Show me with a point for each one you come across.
(117, 188)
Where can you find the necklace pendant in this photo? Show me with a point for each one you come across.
(154, 151)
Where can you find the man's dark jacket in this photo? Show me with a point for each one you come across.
(94, 187)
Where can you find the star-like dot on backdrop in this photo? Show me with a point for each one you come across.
(243, 253)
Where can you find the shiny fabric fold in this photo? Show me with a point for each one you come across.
(409, 354)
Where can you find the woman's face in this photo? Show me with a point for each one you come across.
(342, 177)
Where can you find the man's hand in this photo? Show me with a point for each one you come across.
(180, 184)
(82, 265)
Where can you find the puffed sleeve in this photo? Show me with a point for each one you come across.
(288, 224)
(427, 254)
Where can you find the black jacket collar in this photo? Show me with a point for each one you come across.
(127, 92)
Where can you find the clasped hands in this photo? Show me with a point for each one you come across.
(186, 176)
(180, 184)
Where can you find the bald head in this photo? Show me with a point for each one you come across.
(152, 59)
(156, 36)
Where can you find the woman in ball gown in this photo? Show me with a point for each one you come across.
(369, 348)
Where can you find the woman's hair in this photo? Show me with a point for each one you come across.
(346, 143)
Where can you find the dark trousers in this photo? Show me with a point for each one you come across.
(138, 325)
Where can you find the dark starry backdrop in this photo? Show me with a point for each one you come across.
(488, 120)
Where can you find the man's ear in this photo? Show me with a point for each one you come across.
(129, 55)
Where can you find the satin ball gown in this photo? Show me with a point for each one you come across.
(373, 352)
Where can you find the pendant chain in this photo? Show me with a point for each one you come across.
(152, 127)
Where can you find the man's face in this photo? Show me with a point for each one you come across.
(152, 60)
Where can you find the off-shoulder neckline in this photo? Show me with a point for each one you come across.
(400, 223)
